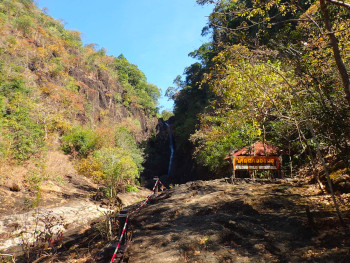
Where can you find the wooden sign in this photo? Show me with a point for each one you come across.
(256, 163)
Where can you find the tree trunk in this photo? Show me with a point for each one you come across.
(336, 51)
(314, 137)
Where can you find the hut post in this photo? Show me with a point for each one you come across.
(280, 170)
(233, 176)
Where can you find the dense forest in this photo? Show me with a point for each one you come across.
(275, 71)
(58, 95)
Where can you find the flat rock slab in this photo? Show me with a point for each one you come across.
(131, 198)
(18, 228)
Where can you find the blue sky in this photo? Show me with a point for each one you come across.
(156, 35)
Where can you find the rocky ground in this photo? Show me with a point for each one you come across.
(57, 210)
(215, 221)
(247, 222)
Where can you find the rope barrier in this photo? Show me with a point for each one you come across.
(154, 187)
(146, 200)
(132, 212)
(120, 239)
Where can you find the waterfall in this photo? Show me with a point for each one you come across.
(171, 146)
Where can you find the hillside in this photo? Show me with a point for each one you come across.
(57, 95)
(72, 122)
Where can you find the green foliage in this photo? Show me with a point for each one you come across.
(57, 68)
(73, 38)
(131, 188)
(135, 83)
(126, 141)
(55, 27)
(12, 88)
(267, 73)
(118, 167)
(24, 135)
(72, 84)
(79, 141)
(2, 105)
(18, 7)
(25, 23)
(118, 97)
(205, 53)
(46, 89)
(166, 115)
(190, 99)
(91, 167)
(114, 166)
(3, 18)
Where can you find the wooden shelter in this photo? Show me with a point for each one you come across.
(256, 157)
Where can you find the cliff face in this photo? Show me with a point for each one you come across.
(61, 83)
(98, 90)
(158, 153)
(183, 168)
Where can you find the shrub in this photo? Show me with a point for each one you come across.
(126, 141)
(12, 87)
(27, 138)
(118, 97)
(131, 188)
(5, 142)
(91, 167)
(58, 123)
(56, 67)
(79, 141)
(105, 137)
(3, 18)
(73, 38)
(45, 238)
(118, 167)
(25, 23)
(72, 85)
(2, 105)
(166, 115)
(23, 133)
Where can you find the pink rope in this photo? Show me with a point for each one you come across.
(129, 214)
(120, 239)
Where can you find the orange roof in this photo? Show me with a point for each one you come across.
(256, 149)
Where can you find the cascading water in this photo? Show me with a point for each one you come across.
(171, 146)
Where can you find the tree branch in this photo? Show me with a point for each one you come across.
(315, 139)
(339, 3)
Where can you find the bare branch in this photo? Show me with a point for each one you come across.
(314, 137)
(339, 3)
(259, 23)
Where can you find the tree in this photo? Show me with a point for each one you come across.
(135, 83)
(279, 54)
(118, 168)
(335, 46)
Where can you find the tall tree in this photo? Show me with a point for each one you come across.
(335, 45)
